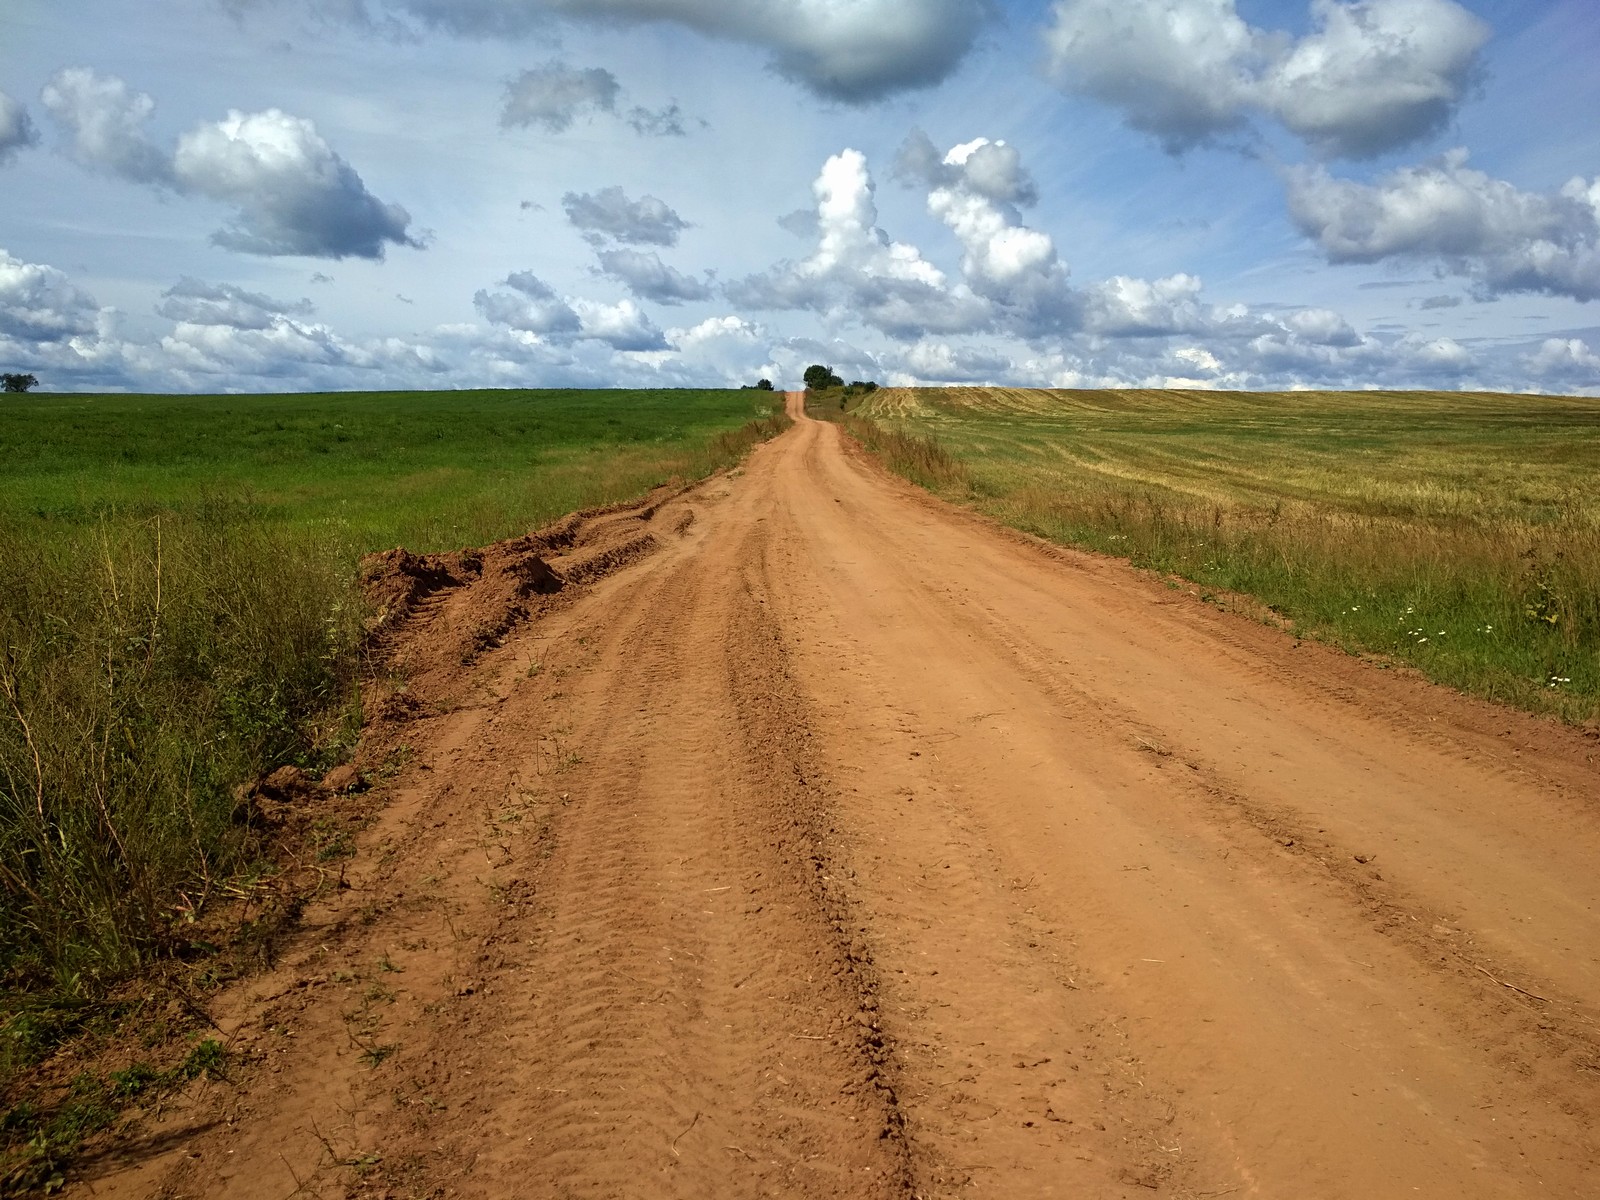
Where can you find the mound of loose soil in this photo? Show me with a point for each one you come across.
(435, 613)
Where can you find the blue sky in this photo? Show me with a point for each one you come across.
(263, 195)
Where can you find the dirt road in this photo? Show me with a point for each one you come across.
(843, 845)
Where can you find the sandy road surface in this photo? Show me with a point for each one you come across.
(845, 846)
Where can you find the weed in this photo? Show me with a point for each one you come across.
(209, 1058)
(36, 1140)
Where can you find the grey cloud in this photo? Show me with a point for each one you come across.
(105, 120)
(609, 213)
(40, 304)
(1435, 302)
(1141, 308)
(292, 192)
(554, 96)
(802, 222)
(663, 122)
(940, 362)
(855, 53)
(993, 170)
(1321, 327)
(199, 303)
(1371, 76)
(1181, 70)
(1471, 225)
(622, 326)
(17, 131)
(651, 279)
(535, 308)
(1376, 75)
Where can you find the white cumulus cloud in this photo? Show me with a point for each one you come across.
(38, 303)
(1485, 229)
(193, 302)
(857, 272)
(105, 121)
(1376, 75)
(532, 306)
(1371, 76)
(292, 192)
(647, 277)
(1565, 359)
(553, 96)
(622, 326)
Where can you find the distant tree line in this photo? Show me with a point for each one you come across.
(822, 379)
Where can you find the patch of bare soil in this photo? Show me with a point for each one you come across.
(800, 836)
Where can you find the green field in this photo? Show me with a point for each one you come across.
(430, 470)
(1457, 533)
(179, 614)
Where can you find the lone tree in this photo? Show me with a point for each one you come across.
(18, 383)
(820, 379)
(763, 385)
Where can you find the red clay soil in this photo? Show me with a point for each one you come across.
(817, 840)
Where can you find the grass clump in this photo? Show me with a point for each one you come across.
(923, 459)
(1458, 533)
(149, 668)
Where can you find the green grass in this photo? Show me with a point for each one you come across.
(1459, 533)
(178, 614)
(431, 470)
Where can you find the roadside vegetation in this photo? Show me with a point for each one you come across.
(179, 615)
(1456, 533)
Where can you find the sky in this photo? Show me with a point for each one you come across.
(291, 195)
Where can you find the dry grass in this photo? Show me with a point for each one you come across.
(1458, 533)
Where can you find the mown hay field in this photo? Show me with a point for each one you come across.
(1458, 533)
(179, 614)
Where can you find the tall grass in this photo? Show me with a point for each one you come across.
(149, 668)
(921, 459)
(1456, 533)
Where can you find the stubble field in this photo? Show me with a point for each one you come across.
(1453, 532)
